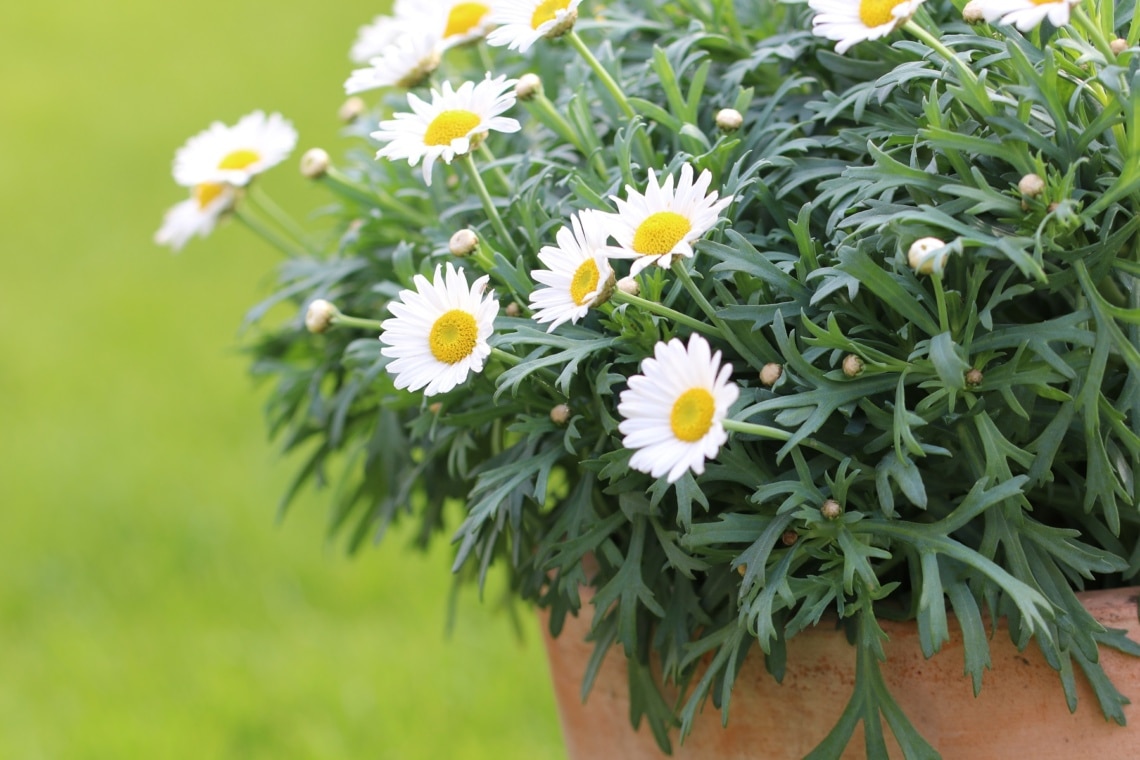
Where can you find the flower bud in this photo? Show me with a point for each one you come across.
(629, 286)
(831, 510)
(728, 120)
(352, 109)
(512, 309)
(789, 537)
(435, 407)
(852, 365)
(1031, 185)
(314, 163)
(319, 316)
(463, 242)
(919, 256)
(529, 85)
(1118, 46)
(974, 377)
(770, 373)
(972, 13)
(742, 569)
(560, 414)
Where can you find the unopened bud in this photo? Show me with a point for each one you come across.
(921, 258)
(770, 373)
(789, 537)
(742, 569)
(528, 86)
(560, 414)
(561, 27)
(1031, 185)
(831, 510)
(974, 378)
(972, 13)
(1118, 46)
(435, 407)
(314, 163)
(319, 316)
(351, 110)
(513, 309)
(463, 242)
(728, 120)
(852, 365)
(629, 286)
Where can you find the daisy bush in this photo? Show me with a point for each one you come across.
(753, 316)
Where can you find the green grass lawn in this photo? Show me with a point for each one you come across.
(150, 605)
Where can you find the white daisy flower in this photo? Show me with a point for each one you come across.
(465, 22)
(524, 22)
(439, 332)
(404, 63)
(375, 36)
(578, 274)
(673, 412)
(663, 223)
(235, 154)
(852, 21)
(1027, 14)
(453, 123)
(195, 216)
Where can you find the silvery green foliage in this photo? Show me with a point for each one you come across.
(965, 495)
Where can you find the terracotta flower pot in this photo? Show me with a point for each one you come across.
(1021, 711)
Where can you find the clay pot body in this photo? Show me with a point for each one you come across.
(1020, 713)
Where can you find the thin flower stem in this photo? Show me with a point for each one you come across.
(268, 234)
(550, 116)
(764, 431)
(1096, 35)
(661, 310)
(940, 298)
(600, 71)
(511, 361)
(686, 279)
(499, 176)
(951, 57)
(343, 320)
(488, 203)
(643, 145)
(259, 198)
(341, 184)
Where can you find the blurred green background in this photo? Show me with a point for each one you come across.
(150, 605)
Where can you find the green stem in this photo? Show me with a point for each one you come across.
(268, 234)
(940, 298)
(343, 320)
(764, 431)
(344, 186)
(620, 296)
(686, 279)
(264, 203)
(600, 71)
(964, 71)
(488, 203)
(501, 178)
(549, 115)
(1096, 35)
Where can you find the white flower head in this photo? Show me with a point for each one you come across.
(465, 22)
(851, 21)
(439, 331)
(674, 411)
(235, 154)
(375, 36)
(1027, 14)
(404, 63)
(663, 223)
(196, 215)
(450, 125)
(577, 275)
(524, 22)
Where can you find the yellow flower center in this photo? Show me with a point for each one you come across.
(239, 159)
(585, 281)
(450, 125)
(692, 415)
(453, 336)
(207, 193)
(877, 12)
(660, 233)
(464, 17)
(547, 10)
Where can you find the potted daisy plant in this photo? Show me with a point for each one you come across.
(756, 342)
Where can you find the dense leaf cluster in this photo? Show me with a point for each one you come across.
(985, 455)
